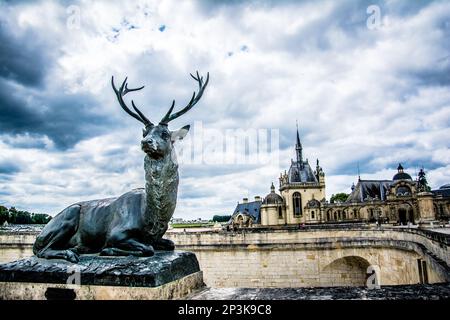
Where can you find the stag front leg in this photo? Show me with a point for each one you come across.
(128, 247)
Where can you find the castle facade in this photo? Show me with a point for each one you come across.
(301, 199)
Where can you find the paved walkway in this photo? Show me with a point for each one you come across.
(403, 292)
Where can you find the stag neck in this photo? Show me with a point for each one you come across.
(161, 189)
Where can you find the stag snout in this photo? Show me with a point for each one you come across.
(149, 145)
(157, 142)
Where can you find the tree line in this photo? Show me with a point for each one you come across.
(14, 216)
(218, 218)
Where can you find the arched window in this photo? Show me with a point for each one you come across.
(344, 215)
(312, 215)
(335, 215)
(280, 213)
(297, 199)
(403, 191)
(328, 216)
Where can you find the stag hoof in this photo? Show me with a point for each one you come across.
(71, 256)
(148, 251)
(164, 244)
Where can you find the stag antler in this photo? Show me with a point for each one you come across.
(123, 90)
(195, 98)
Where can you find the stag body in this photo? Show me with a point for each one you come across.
(134, 223)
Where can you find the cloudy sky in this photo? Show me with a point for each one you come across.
(368, 82)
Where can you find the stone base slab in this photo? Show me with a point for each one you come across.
(166, 275)
(177, 289)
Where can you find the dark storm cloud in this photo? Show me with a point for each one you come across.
(23, 58)
(8, 167)
(28, 105)
(65, 119)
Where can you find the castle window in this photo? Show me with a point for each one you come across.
(312, 215)
(403, 191)
(297, 201)
(280, 213)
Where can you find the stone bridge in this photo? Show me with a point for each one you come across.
(256, 258)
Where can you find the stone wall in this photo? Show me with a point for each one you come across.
(16, 245)
(291, 267)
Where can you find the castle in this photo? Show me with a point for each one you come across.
(301, 200)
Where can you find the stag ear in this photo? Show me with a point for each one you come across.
(180, 134)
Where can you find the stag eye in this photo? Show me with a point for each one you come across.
(165, 135)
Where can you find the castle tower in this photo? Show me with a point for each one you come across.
(300, 186)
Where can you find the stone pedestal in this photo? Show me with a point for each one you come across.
(426, 210)
(166, 275)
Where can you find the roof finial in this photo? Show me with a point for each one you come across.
(359, 176)
(272, 188)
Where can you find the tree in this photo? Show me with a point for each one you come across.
(4, 214)
(12, 215)
(40, 218)
(338, 197)
(218, 218)
(23, 217)
(15, 216)
(422, 181)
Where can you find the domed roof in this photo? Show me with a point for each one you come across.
(272, 197)
(445, 186)
(400, 175)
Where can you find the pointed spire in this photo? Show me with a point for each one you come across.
(359, 175)
(299, 149)
(272, 188)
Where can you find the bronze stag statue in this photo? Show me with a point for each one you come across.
(135, 222)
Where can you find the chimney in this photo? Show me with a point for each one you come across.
(245, 200)
(257, 198)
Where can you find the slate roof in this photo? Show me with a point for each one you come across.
(369, 188)
(252, 208)
(298, 173)
(443, 191)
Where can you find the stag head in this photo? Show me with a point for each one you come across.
(158, 139)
